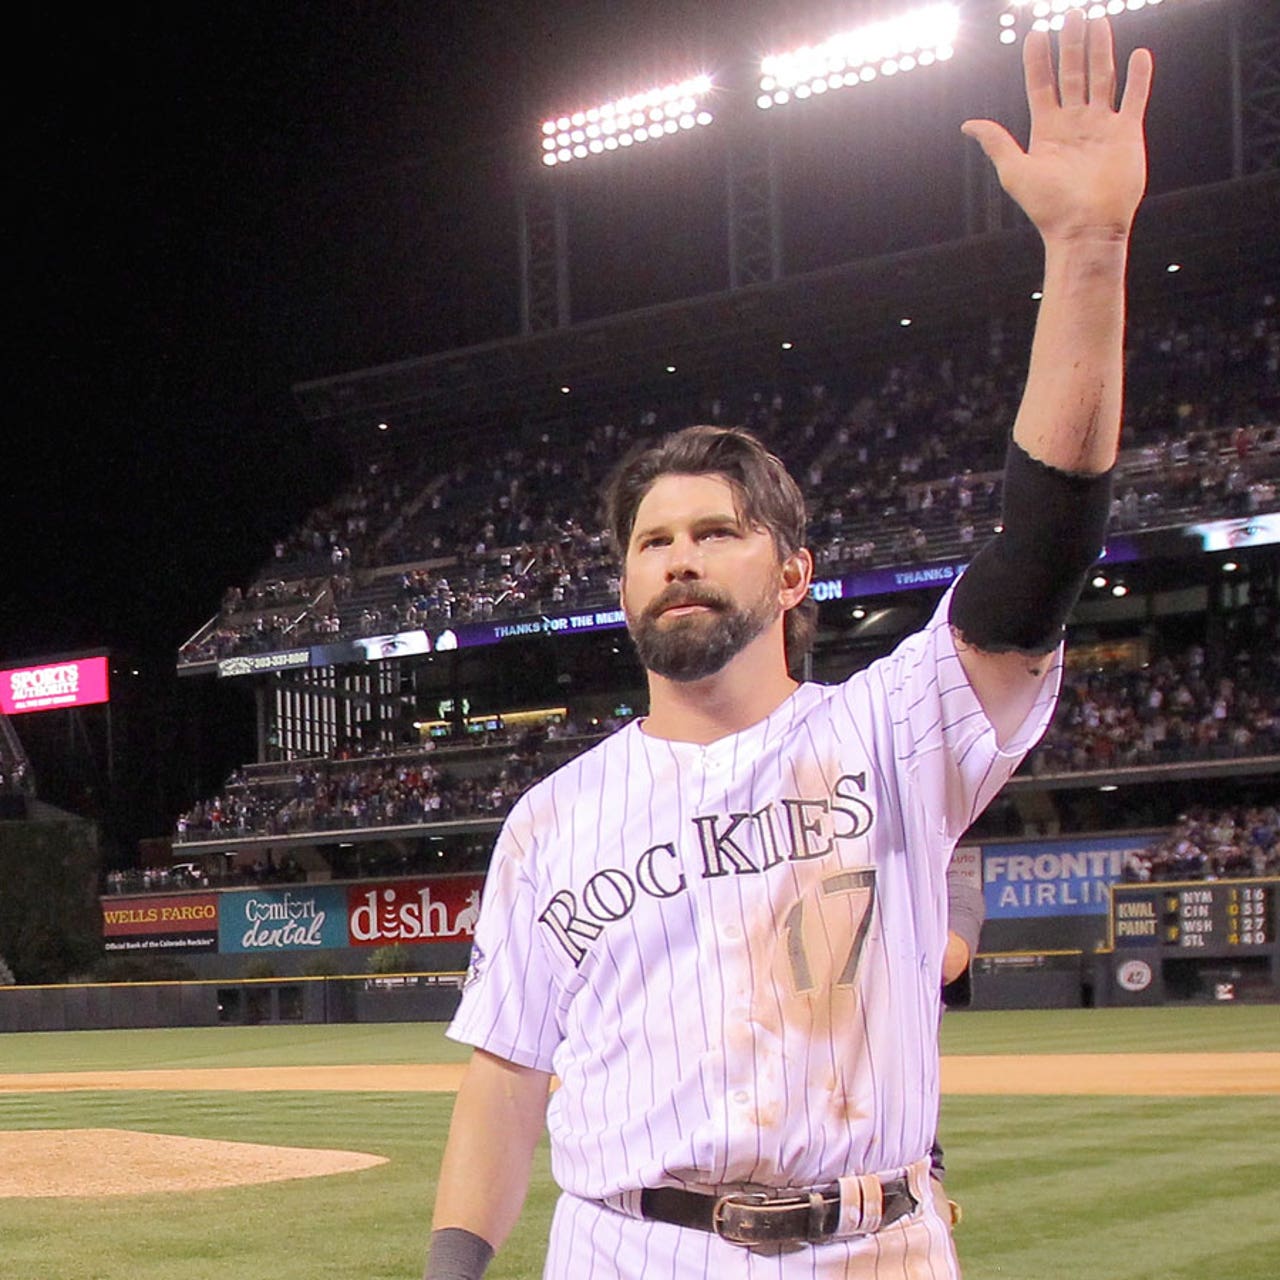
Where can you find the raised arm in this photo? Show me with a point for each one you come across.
(1080, 181)
(484, 1177)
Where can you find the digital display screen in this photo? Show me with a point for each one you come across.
(53, 686)
(1246, 531)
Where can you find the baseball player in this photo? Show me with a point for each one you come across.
(966, 910)
(723, 928)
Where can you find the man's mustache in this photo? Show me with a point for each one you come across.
(686, 593)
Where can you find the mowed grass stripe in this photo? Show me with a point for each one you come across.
(1168, 1029)
(1015, 1139)
(1053, 1188)
(1056, 1188)
(341, 1044)
(1204, 1029)
(1120, 1221)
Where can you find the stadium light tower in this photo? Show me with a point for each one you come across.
(650, 116)
(918, 38)
(1020, 16)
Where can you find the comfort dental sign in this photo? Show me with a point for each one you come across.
(78, 682)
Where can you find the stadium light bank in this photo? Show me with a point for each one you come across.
(628, 121)
(1049, 15)
(921, 37)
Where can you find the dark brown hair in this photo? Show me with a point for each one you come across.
(764, 490)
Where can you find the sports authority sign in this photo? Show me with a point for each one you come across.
(77, 682)
(439, 909)
(171, 923)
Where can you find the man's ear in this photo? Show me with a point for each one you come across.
(797, 575)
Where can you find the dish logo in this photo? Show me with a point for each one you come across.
(410, 913)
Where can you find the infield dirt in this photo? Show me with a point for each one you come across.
(114, 1162)
(1139, 1074)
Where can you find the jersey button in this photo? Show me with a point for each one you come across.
(731, 931)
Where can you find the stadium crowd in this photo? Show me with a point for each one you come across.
(1205, 844)
(899, 466)
(1172, 709)
(1212, 844)
(1167, 711)
(370, 862)
(324, 797)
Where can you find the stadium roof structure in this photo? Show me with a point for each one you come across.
(1222, 235)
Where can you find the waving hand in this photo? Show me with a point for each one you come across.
(1084, 170)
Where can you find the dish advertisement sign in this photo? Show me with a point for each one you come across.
(439, 909)
(424, 909)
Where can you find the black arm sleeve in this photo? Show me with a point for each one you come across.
(1019, 590)
(457, 1255)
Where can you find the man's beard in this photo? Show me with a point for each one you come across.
(697, 645)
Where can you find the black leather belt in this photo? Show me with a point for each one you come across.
(767, 1217)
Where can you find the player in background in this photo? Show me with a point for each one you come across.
(966, 911)
(723, 928)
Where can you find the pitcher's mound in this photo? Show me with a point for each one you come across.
(124, 1162)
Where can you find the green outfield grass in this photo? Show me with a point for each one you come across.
(341, 1044)
(1194, 1029)
(1052, 1188)
(1169, 1029)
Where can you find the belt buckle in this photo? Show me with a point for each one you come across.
(744, 1217)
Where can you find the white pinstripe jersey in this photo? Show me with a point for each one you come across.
(730, 955)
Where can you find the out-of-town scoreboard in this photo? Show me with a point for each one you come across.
(1210, 918)
(1196, 940)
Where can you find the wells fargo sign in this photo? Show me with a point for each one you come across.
(186, 922)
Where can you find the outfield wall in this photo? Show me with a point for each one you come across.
(1047, 909)
(227, 933)
(1043, 894)
(418, 997)
(1049, 941)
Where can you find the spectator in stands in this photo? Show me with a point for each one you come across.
(1211, 845)
(903, 462)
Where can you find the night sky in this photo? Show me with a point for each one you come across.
(215, 202)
